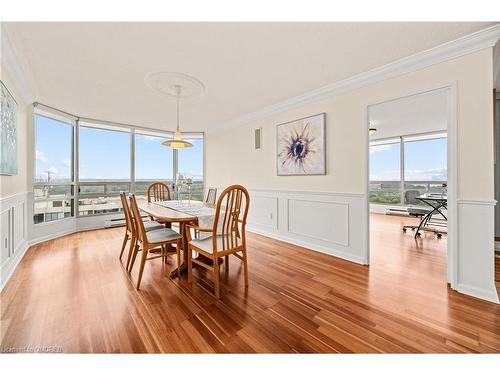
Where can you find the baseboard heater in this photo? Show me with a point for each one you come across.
(117, 222)
(396, 211)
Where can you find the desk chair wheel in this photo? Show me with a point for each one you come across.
(439, 235)
(419, 234)
(404, 230)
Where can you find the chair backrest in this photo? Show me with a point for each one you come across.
(158, 191)
(127, 213)
(211, 196)
(137, 220)
(411, 197)
(230, 218)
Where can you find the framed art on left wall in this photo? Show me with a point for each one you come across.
(8, 133)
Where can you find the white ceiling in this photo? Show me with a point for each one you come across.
(97, 69)
(414, 114)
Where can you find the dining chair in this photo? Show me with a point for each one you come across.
(158, 191)
(228, 235)
(130, 232)
(151, 240)
(211, 196)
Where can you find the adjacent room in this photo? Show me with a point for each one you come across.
(249, 187)
(408, 186)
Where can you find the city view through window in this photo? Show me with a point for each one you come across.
(104, 167)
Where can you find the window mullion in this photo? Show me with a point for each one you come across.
(76, 175)
(402, 170)
(132, 161)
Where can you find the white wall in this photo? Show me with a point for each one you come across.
(10, 185)
(230, 157)
(13, 192)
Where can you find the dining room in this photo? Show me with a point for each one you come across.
(197, 198)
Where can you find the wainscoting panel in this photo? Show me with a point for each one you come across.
(476, 249)
(330, 220)
(332, 223)
(263, 212)
(13, 234)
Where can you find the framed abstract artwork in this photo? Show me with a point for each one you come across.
(301, 147)
(8, 133)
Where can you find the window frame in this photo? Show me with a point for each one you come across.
(69, 120)
(402, 181)
(58, 115)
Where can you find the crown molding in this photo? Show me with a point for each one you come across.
(12, 64)
(486, 38)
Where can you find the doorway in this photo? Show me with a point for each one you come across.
(411, 183)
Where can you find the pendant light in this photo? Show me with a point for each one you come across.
(177, 143)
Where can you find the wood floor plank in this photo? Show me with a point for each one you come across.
(74, 293)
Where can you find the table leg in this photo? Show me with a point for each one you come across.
(183, 267)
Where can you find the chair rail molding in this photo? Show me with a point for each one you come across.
(14, 242)
(482, 39)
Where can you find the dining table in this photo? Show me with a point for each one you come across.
(183, 213)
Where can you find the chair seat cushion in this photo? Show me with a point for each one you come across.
(205, 244)
(163, 235)
(152, 225)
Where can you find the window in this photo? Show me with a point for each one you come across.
(104, 168)
(385, 161)
(153, 161)
(190, 165)
(426, 159)
(107, 164)
(53, 183)
(104, 153)
(424, 166)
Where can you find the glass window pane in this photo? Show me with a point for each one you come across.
(50, 210)
(104, 154)
(53, 150)
(385, 162)
(153, 161)
(190, 165)
(426, 160)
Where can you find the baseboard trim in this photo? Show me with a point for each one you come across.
(310, 246)
(490, 295)
(63, 233)
(9, 268)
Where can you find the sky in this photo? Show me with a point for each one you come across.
(424, 161)
(106, 154)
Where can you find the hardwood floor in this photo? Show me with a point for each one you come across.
(73, 293)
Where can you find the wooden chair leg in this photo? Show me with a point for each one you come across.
(125, 239)
(141, 269)
(245, 267)
(134, 255)
(190, 264)
(226, 265)
(178, 252)
(217, 278)
(130, 251)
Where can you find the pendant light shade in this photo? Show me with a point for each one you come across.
(177, 142)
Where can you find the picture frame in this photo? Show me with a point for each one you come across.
(8, 132)
(301, 146)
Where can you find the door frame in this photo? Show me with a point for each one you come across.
(452, 164)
